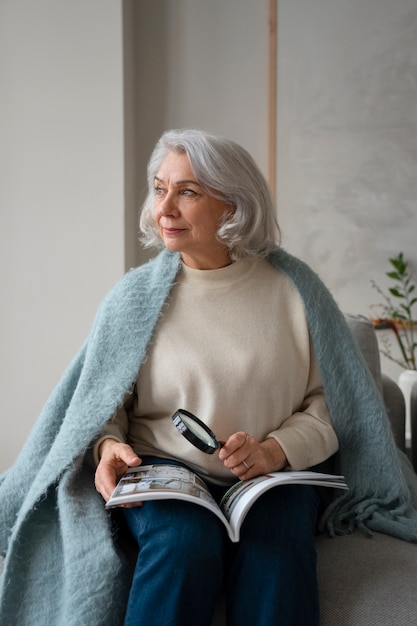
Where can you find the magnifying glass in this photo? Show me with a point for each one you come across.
(197, 433)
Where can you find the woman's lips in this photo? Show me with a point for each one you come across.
(172, 231)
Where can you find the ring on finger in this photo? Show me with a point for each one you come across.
(246, 465)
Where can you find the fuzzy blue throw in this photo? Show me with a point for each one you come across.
(61, 564)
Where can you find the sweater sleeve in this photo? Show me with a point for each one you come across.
(307, 436)
(116, 428)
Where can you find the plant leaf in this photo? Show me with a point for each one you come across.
(394, 275)
(394, 291)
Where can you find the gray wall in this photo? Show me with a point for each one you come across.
(347, 140)
(193, 63)
(74, 149)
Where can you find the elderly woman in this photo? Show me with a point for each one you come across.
(233, 347)
(227, 325)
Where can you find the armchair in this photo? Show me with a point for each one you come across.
(368, 581)
(413, 411)
(371, 581)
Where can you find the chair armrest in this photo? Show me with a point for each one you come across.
(395, 405)
(413, 415)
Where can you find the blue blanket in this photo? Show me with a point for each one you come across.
(62, 565)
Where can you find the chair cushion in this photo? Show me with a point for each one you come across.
(362, 581)
(368, 581)
(364, 334)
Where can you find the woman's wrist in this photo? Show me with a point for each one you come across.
(106, 444)
(277, 457)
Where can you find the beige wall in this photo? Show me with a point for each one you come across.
(61, 192)
(72, 171)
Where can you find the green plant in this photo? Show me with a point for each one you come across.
(396, 313)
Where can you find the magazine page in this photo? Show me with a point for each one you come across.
(238, 499)
(163, 482)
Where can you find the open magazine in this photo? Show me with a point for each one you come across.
(162, 482)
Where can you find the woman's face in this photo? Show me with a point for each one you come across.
(187, 217)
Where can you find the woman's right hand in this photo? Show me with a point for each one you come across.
(115, 459)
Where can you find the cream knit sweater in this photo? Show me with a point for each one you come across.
(220, 353)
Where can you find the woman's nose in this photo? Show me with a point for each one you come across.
(167, 205)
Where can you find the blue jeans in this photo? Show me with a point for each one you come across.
(185, 558)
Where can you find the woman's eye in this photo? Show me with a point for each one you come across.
(158, 191)
(188, 192)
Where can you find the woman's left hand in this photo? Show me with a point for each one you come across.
(247, 458)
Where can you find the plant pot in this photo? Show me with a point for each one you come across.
(406, 381)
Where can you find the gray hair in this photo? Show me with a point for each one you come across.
(225, 171)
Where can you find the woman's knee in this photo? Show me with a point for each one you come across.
(289, 510)
(176, 526)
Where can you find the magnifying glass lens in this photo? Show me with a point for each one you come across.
(197, 433)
